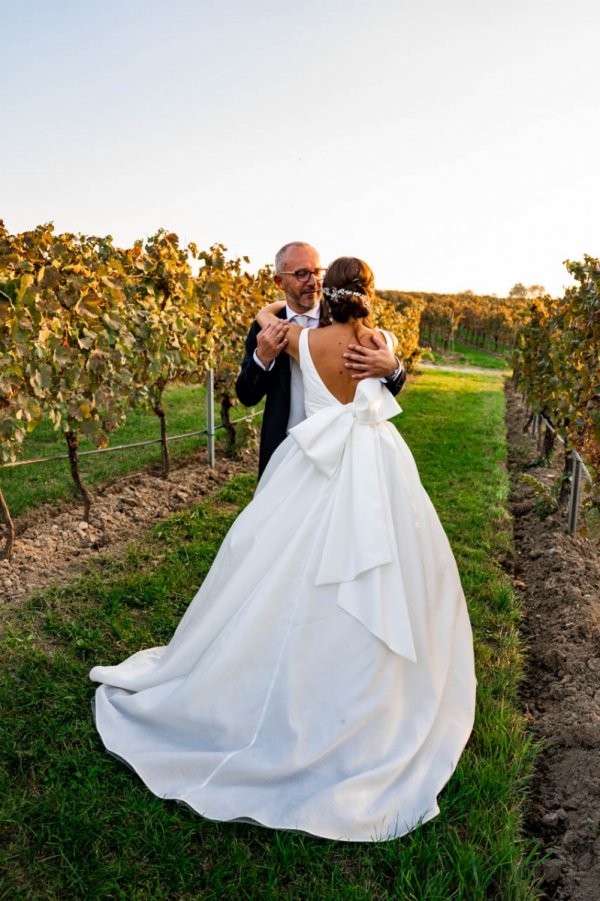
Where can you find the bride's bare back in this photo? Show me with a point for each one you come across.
(327, 346)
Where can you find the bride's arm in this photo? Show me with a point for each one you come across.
(269, 321)
(267, 315)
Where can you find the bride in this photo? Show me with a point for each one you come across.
(322, 678)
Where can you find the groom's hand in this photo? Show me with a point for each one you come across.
(370, 363)
(270, 341)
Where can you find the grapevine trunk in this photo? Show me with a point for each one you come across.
(9, 537)
(72, 439)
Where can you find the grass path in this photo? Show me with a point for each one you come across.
(74, 823)
(463, 354)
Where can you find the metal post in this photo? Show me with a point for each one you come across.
(210, 417)
(575, 489)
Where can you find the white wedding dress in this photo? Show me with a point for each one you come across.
(322, 678)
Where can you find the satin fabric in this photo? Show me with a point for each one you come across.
(322, 679)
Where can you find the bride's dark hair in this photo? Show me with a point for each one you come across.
(351, 275)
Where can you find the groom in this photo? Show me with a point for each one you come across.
(267, 371)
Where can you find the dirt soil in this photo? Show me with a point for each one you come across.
(558, 577)
(53, 544)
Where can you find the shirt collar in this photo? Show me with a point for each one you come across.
(315, 313)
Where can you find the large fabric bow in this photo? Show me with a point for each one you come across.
(359, 550)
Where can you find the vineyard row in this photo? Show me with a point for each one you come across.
(90, 330)
(556, 363)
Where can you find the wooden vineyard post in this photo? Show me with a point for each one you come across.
(575, 490)
(210, 417)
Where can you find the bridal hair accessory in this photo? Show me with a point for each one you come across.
(335, 294)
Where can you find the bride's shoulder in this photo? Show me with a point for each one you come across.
(367, 334)
(389, 338)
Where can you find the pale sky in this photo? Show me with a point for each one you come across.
(452, 145)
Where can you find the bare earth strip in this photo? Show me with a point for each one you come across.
(54, 545)
(559, 579)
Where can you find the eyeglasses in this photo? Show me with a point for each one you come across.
(303, 275)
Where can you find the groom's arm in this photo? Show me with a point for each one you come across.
(377, 362)
(262, 348)
(396, 380)
(252, 382)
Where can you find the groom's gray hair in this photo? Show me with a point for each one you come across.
(280, 255)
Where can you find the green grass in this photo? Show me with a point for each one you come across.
(74, 823)
(29, 486)
(466, 355)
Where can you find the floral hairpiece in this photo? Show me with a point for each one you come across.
(335, 293)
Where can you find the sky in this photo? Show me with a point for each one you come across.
(452, 145)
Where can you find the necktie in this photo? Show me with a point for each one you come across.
(297, 412)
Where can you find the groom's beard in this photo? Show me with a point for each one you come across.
(305, 299)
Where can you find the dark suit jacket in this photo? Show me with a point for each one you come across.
(253, 383)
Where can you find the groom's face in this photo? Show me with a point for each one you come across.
(300, 295)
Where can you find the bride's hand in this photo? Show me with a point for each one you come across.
(377, 363)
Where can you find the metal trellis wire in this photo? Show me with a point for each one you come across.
(210, 431)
